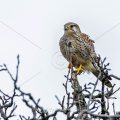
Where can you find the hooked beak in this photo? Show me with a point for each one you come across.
(66, 28)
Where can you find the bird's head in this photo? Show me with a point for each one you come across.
(71, 28)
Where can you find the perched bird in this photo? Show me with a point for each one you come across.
(78, 49)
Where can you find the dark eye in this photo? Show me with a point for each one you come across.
(72, 26)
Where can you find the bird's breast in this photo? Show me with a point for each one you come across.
(71, 51)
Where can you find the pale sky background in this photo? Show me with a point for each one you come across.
(32, 29)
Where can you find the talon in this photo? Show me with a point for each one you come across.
(70, 66)
(79, 69)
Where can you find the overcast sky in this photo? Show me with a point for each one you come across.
(32, 29)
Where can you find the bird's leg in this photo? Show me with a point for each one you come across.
(70, 65)
(80, 69)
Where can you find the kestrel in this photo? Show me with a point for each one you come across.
(78, 49)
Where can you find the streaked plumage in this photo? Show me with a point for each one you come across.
(78, 49)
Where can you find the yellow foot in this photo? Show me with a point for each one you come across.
(70, 66)
(79, 69)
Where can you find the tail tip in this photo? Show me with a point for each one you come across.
(108, 84)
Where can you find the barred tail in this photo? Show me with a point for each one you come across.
(107, 82)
